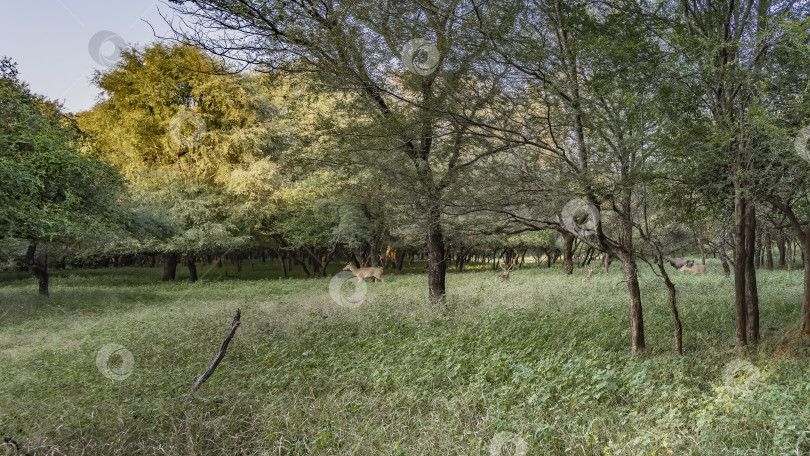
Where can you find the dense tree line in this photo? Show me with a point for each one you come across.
(456, 131)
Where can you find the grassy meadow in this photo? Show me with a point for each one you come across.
(538, 365)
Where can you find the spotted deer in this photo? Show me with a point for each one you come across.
(590, 274)
(365, 273)
(505, 276)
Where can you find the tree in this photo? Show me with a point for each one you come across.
(413, 121)
(51, 191)
(584, 124)
(725, 45)
(194, 139)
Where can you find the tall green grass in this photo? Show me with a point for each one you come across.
(540, 361)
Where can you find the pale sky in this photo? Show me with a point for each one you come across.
(51, 39)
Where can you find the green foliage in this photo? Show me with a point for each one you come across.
(50, 189)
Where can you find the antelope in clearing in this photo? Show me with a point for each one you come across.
(590, 274)
(699, 269)
(365, 273)
(505, 276)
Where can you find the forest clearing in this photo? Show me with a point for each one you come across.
(354, 227)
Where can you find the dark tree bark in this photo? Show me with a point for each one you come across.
(740, 261)
(780, 244)
(636, 313)
(568, 252)
(721, 252)
(437, 266)
(460, 261)
(768, 251)
(751, 295)
(237, 320)
(38, 268)
(673, 304)
(170, 266)
(805, 318)
(192, 268)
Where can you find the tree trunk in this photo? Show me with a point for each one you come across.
(169, 266)
(789, 259)
(192, 268)
(38, 269)
(374, 254)
(606, 260)
(437, 267)
(721, 251)
(751, 295)
(780, 244)
(636, 315)
(702, 250)
(740, 261)
(768, 251)
(568, 252)
(806, 297)
(673, 304)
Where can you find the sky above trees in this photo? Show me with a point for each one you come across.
(50, 40)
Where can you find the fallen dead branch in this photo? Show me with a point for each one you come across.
(202, 378)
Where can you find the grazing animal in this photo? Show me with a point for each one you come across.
(365, 273)
(505, 276)
(699, 269)
(678, 263)
(590, 274)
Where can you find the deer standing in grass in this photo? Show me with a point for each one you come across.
(590, 274)
(699, 269)
(365, 273)
(505, 276)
